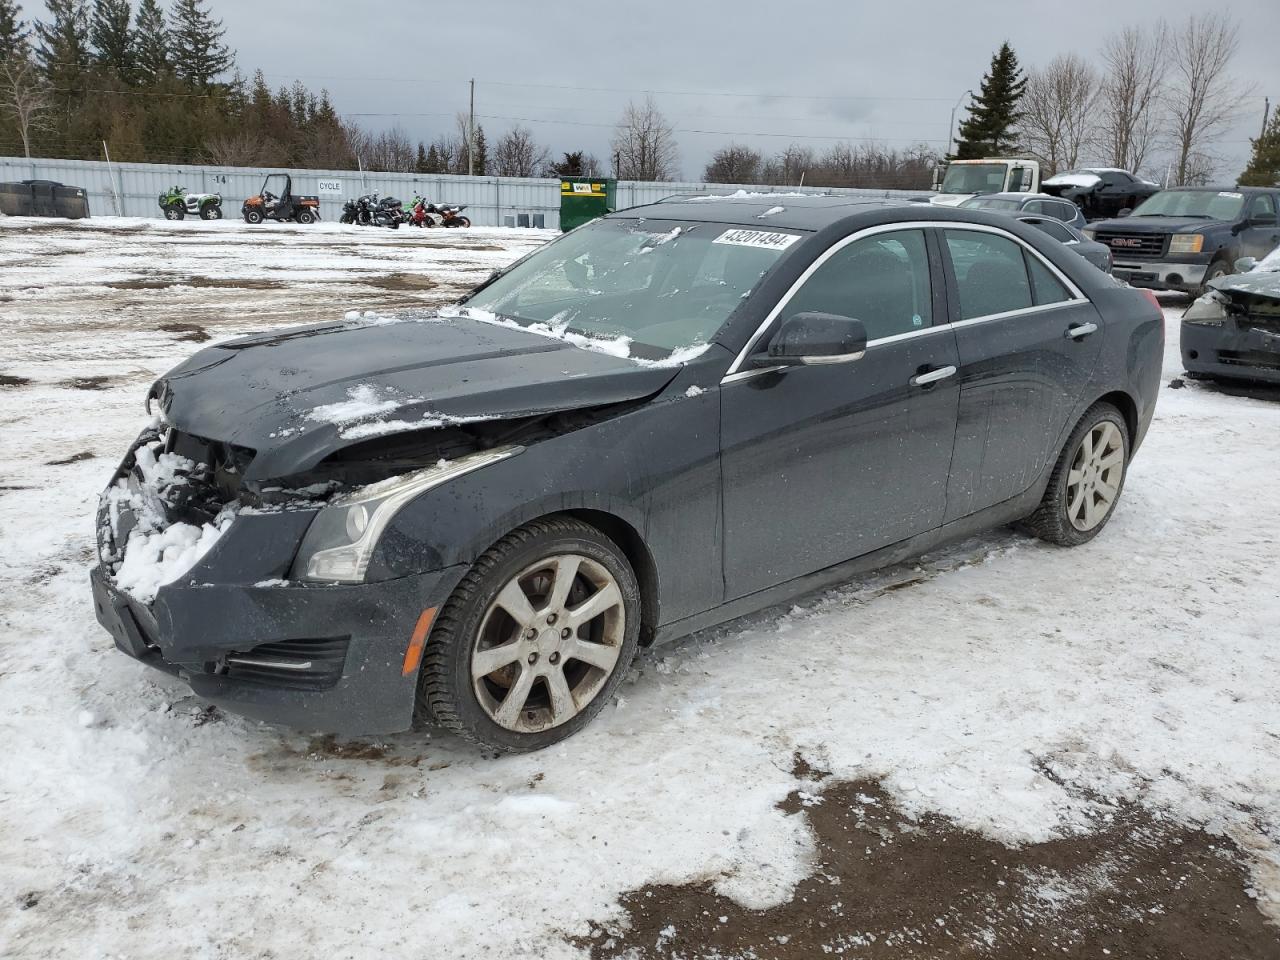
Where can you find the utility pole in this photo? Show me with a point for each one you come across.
(1266, 114)
(471, 133)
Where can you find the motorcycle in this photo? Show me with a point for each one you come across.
(451, 214)
(372, 211)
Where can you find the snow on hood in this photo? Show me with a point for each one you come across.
(1074, 179)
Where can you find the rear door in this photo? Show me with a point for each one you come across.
(824, 463)
(1028, 341)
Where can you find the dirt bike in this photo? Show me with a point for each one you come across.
(177, 203)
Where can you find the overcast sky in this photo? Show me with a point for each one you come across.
(755, 72)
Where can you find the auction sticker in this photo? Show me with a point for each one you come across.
(757, 238)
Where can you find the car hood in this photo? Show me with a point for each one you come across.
(294, 396)
(1261, 284)
(1155, 224)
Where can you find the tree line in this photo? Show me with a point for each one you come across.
(162, 85)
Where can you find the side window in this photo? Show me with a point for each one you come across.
(1054, 229)
(1035, 206)
(882, 280)
(990, 273)
(1262, 205)
(1046, 287)
(1066, 212)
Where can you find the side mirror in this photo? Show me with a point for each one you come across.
(1245, 264)
(1124, 211)
(808, 339)
(1262, 220)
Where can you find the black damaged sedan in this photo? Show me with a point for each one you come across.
(663, 420)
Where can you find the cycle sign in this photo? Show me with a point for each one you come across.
(330, 188)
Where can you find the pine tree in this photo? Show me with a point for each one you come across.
(482, 152)
(420, 165)
(112, 39)
(13, 32)
(63, 47)
(150, 46)
(1264, 165)
(991, 129)
(200, 56)
(433, 161)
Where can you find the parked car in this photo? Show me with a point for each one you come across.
(1099, 254)
(1037, 204)
(1233, 331)
(1183, 238)
(667, 418)
(1100, 191)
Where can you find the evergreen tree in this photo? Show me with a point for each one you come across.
(1264, 165)
(112, 38)
(62, 49)
(150, 45)
(433, 161)
(200, 56)
(420, 165)
(13, 32)
(991, 129)
(482, 152)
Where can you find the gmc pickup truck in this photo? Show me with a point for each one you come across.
(1180, 239)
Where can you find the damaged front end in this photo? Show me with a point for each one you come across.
(1233, 331)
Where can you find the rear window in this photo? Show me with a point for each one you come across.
(990, 272)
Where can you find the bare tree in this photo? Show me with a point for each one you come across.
(1130, 99)
(790, 167)
(239, 148)
(1203, 96)
(23, 98)
(390, 151)
(734, 164)
(517, 154)
(1057, 111)
(644, 144)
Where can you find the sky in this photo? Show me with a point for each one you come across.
(754, 72)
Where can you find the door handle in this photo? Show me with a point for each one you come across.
(932, 376)
(1079, 330)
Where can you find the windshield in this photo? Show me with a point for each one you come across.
(974, 178)
(989, 203)
(652, 287)
(1203, 204)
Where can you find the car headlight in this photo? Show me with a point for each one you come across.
(1186, 243)
(341, 538)
(1089, 232)
(1209, 311)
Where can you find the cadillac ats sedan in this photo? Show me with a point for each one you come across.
(665, 419)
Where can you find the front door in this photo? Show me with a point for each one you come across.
(1028, 344)
(821, 464)
(1261, 232)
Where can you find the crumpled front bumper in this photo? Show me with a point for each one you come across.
(244, 647)
(1233, 350)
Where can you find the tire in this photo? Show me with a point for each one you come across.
(306, 216)
(1053, 520)
(528, 565)
(211, 211)
(346, 218)
(459, 222)
(174, 211)
(1216, 269)
(253, 216)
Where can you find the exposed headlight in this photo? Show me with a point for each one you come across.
(342, 536)
(1209, 311)
(1186, 243)
(1089, 232)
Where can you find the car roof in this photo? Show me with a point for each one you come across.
(1018, 195)
(798, 211)
(1222, 189)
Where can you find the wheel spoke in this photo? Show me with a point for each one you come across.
(562, 704)
(600, 655)
(1086, 447)
(509, 712)
(1073, 508)
(1090, 511)
(1107, 492)
(606, 598)
(1112, 459)
(1074, 476)
(566, 573)
(485, 662)
(512, 599)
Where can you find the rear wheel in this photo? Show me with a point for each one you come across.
(306, 216)
(1086, 481)
(174, 211)
(211, 211)
(535, 638)
(459, 222)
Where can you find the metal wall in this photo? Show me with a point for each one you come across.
(132, 189)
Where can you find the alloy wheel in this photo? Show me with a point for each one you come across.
(548, 643)
(1093, 481)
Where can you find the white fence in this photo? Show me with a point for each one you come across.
(133, 189)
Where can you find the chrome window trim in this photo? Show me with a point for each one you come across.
(736, 371)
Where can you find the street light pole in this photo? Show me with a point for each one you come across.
(952, 125)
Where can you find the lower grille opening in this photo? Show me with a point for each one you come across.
(1250, 358)
(304, 664)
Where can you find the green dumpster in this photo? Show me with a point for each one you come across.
(585, 198)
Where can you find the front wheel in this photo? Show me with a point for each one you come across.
(1087, 480)
(253, 216)
(535, 638)
(346, 218)
(1216, 270)
(174, 211)
(211, 211)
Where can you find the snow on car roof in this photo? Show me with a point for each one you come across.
(798, 211)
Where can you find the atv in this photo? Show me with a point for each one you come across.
(268, 205)
(177, 203)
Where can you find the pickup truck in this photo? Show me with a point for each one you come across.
(956, 181)
(1182, 238)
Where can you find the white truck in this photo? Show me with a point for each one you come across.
(955, 181)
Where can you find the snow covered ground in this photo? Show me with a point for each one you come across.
(1011, 686)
